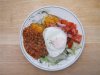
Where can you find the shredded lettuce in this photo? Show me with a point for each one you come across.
(64, 55)
(74, 48)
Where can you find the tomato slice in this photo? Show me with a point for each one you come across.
(70, 27)
(77, 38)
(67, 29)
(64, 21)
(71, 24)
(70, 43)
(74, 31)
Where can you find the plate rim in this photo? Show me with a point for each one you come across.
(76, 58)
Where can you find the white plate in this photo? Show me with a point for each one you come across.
(65, 14)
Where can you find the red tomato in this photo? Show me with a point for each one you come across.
(67, 29)
(77, 38)
(71, 25)
(64, 21)
(70, 43)
(74, 31)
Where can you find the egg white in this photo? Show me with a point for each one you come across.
(57, 35)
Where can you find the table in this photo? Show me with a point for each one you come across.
(14, 12)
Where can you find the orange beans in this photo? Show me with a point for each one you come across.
(34, 42)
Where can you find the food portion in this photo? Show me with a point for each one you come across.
(37, 27)
(51, 39)
(34, 42)
(72, 32)
(55, 40)
(50, 20)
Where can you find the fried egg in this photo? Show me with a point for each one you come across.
(55, 40)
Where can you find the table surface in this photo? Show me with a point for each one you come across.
(14, 12)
